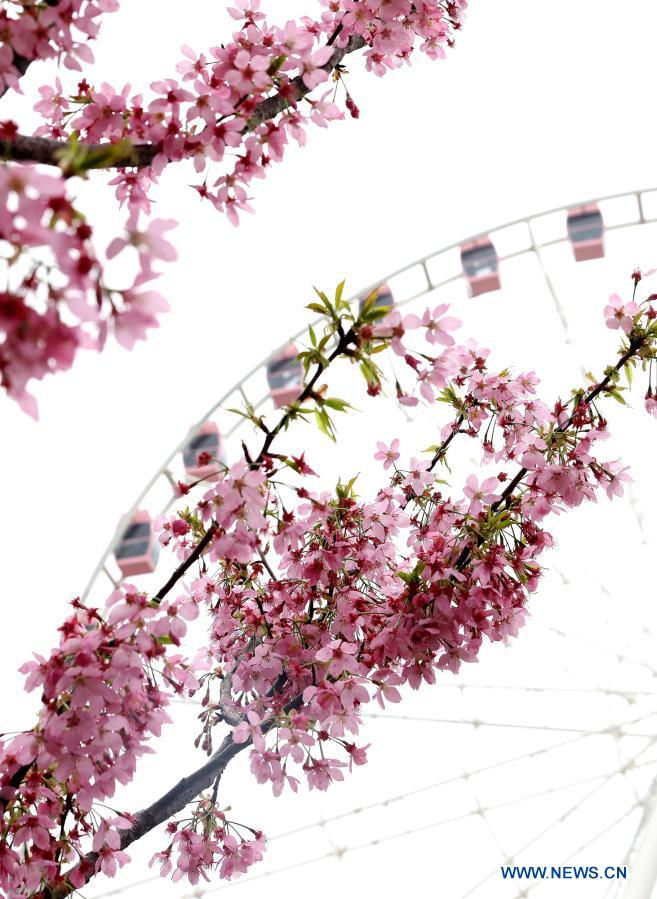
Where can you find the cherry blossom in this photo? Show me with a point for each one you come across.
(619, 314)
(486, 493)
(57, 299)
(232, 109)
(55, 30)
(101, 703)
(388, 455)
(315, 602)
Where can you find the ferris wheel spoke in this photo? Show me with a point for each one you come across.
(615, 889)
(632, 808)
(554, 823)
(483, 810)
(549, 283)
(607, 691)
(477, 723)
(590, 643)
(611, 730)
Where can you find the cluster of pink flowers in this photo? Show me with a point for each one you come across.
(359, 598)
(104, 692)
(624, 315)
(231, 110)
(55, 299)
(315, 608)
(235, 505)
(60, 30)
(209, 113)
(209, 841)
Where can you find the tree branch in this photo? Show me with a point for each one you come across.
(347, 338)
(14, 783)
(22, 63)
(635, 346)
(442, 449)
(172, 801)
(507, 494)
(199, 549)
(47, 151)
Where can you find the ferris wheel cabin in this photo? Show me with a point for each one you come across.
(586, 232)
(285, 376)
(204, 454)
(481, 266)
(138, 549)
(384, 296)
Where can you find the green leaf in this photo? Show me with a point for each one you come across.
(76, 158)
(346, 490)
(275, 64)
(373, 313)
(239, 412)
(325, 301)
(370, 372)
(615, 393)
(337, 404)
(367, 303)
(324, 423)
(412, 577)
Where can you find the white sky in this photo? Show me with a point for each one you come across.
(539, 105)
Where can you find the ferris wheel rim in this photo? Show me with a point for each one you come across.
(535, 247)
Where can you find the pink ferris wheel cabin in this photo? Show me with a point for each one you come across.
(137, 551)
(285, 376)
(481, 266)
(204, 455)
(586, 232)
(384, 296)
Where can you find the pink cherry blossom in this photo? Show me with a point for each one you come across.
(388, 455)
(619, 314)
(480, 494)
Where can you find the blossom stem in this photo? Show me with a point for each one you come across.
(343, 343)
(440, 452)
(184, 566)
(506, 497)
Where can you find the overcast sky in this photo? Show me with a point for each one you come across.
(539, 105)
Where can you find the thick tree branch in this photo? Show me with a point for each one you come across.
(173, 801)
(44, 150)
(344, 341)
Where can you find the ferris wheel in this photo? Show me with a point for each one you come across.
(542, 759)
